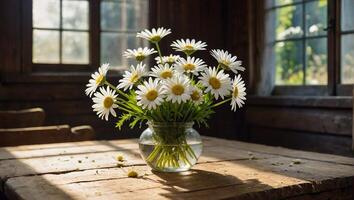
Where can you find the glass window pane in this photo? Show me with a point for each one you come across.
(289, 22)
(46, 13)
(272, 3)
(347, 59)
(75, 47)
(45, 46)
(111, 15)
(112, 47)
(288, 59)
(316, 61)
(137, 12)
(316, 17)
(75, 14)
(347, 16)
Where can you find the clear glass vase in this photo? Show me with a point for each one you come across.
(170, 146)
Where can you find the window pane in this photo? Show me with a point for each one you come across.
(46, 13)
(112, 47)
(316, 61)
(347, 16)
(137, 12)
(288, 59)
(75, 47)
(272, 3)
(316, 17)
(289, 22)
(75, 14)
(111, 15)
(45, 46)
(347, 59)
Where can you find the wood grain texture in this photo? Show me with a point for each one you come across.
(312, 120)
(22, 118)
(226, 170)
(45, 134)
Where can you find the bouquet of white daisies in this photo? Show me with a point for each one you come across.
(179, 88)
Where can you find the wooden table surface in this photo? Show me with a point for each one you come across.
(227, 169)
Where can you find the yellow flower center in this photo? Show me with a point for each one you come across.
(195, 95)
(134, 78)
(189, 66)
(170, 60)
(225, 64)
(108, 102)
(140, 57)
(155, 38)
(235, 93)
(189, 47)
(215, 83)
(151, 95)
(166, 74)
(178, 89)
(99, 80)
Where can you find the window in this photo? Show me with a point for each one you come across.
(347, 42)
(60, 32)
(120, 20)
(300, 41)
(306, 47)
(69, 33)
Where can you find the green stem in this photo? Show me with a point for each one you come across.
(218, 67)
(221, 102)
(159, 51)
(114, 88)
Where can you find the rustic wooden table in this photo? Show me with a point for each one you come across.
(227, 169)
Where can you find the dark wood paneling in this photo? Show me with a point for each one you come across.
(316, 120)
(334, 102)
(10, 39)
(301, 140)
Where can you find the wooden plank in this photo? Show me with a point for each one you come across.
(96, 158)
(89, 147)
(229, 179)
(279, 151)
(10, 40)
(59, 146)
(341, 102)
(353, 125)
(323, 143)
(22, 118)
(313, 120)
(35, 135)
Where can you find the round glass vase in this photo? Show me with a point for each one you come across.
(170, 146)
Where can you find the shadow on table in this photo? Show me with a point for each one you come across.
(202, 184)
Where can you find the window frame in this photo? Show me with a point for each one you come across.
(94, 32)
(334, 87)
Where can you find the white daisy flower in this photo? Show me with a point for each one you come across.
(196, 95)
(227, 61)
(155, 35)
(162, 71)
(218, 83)
(132, 76)
(139, 54)
(171, 59)
(149, 94)
(188, 46)
(238, 93)
(177, 89)
(190, 65)
(98, 79)
(104, 103)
